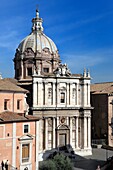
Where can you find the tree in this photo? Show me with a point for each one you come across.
(59, 162)
(47, 165)
(62, 162)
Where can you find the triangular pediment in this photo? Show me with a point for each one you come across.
(26, 137)
(63, 127)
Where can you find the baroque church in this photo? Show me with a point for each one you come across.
(59, 98)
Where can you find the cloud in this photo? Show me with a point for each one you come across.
(79, 61)
(65, 26)
(8, 40)
(10, 36)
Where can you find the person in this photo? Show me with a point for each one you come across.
(2, 164)
(98, 167)
(6, 165)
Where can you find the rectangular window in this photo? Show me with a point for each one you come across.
(62, 100)
(6, 104)
(29, 71)
(46, 70)
(18, 104)
(26, 128)
(25, 152)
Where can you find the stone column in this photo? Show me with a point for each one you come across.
(34, 94)
(70, 130)
(85, 132)
(76, 139)
(70, 93)
(37, 145)
(67, 120)
(67, 93)
(57, 94)
(54, 139)
(54, 95)
(46, 93)
(46, 134)
(77, 95)
(40, 94)
(89, 132)
(22, 76)
(57, 137)
(85, 94)
(88, 94)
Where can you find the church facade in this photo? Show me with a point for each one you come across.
(59, 98)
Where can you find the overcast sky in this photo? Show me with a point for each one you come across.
(81, 29)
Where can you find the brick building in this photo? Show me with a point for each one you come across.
(18, 131)
(102, 115)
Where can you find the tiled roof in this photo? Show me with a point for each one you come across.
(106, 87)
(10, 117)
(10, 85)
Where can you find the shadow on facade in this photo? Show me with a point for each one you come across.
(77, 160)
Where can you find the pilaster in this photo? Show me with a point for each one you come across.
(37, 145)
(14, 145)
(89, 132)
(70, 130)
(54, 139)
(46, 134)
(85, 132)
(54, 95)
(46, 93)
(76, 138)
(35, 94)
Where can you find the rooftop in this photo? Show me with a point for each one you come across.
(102, 88)
(10, 85)
(13, 117)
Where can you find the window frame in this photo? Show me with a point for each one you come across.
(18, 104)
(25, 159)
(24, 128)
(62, 98)
(6, 101)
(46, 69)
(29, 142)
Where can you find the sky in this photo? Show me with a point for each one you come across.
(81, 29)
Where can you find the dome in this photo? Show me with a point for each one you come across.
(37, 40)
(36, 54)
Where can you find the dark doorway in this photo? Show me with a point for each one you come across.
(62, 139)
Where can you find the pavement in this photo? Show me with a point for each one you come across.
(98, 157)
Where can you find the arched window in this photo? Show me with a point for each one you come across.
(62, 99)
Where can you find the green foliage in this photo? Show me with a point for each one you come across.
(47, 165)
(62, 162)
(59, 162)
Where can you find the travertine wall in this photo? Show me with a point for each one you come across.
(71, 117)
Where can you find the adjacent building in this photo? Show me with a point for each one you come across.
(12, 97)
(102, 115)
(18, 131)
(18, 141)
(61, 99)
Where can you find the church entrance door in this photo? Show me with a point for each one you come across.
(62, 139)
(62, 136)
